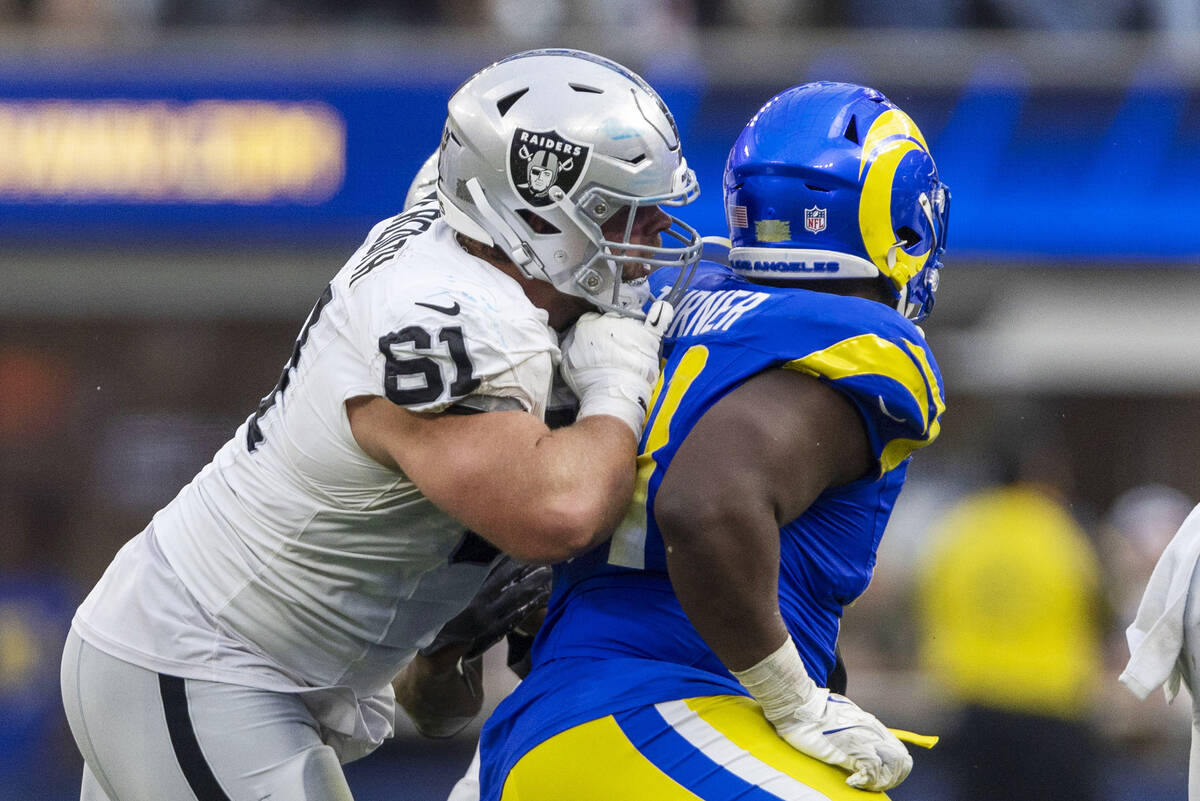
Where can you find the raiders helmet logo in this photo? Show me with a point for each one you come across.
(538, 160)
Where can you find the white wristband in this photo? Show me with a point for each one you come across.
(614, 403)
(779, 683)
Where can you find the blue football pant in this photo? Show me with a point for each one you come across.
(716, 748)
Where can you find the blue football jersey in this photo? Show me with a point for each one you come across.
(615, 636)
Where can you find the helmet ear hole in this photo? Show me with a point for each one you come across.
(907, 236)
(539, 225)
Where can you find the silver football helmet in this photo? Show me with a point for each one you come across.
(542, 148)
(424, 182)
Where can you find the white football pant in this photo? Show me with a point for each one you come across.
(149, 737)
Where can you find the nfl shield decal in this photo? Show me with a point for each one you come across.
(539, 160)
(814, 220)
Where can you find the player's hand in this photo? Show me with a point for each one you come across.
(509, 594)
(659, 316)
(833, 729)
(611, 363)
(824, 725)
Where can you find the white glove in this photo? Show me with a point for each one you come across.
(611, 363)
(825, 725)
(833, 729)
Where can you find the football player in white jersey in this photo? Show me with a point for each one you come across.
(242, 646)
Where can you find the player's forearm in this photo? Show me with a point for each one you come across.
(724, 567)
(567, 493)
(588, 473)
(540, 495)
(440, 694)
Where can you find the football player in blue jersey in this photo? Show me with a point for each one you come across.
(689, 656)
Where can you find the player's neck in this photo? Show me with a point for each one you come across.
(563, 309)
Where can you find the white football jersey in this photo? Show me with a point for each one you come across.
(294, 546)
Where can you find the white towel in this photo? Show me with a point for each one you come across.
(1156, 636)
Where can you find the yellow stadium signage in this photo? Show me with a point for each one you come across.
(248, 152)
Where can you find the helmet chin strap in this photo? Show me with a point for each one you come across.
(517, 250)
(902, 304)
(927, 207)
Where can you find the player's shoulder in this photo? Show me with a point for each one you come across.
(838, 317)
(868, 351)
(387, 239)
(416, 273)
(880, 361)
(876, 337)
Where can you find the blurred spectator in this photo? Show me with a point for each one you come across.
(1179, 21)
(1069, 15)
(84, 15)
(349, 12)
(916, 14)
(37, 390)
(766, 14)
(1138, 527)
(1011, 617)
(1163, 644)
(539, 21)
(665, 30)
(16, 10)
(527, 21)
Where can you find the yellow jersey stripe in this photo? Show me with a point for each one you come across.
(871, 354)
(628, 544)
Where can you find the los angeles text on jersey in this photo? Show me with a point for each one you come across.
(787, 266)
(551, 143)
(702, 311)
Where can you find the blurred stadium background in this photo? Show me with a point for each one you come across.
(180, 178)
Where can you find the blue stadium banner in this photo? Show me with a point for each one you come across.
(166, 153)
(125, 153)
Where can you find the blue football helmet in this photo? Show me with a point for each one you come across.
(832, 180)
